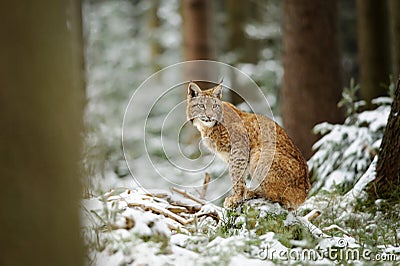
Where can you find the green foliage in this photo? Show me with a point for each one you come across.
(258, 222)
(373, 224)
(346, 150)
(392, 87)
(350, 99)
(228, 224)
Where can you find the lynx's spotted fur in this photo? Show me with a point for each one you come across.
(250, 144)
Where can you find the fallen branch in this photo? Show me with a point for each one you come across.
(203, 192)
(187, 195)
(336, 227)
(162, 211)
(312, 215)
(190, 208)
(212, 215)
(315, 231)
(177, 209)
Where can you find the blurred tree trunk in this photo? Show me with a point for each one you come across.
(252, 46)
(236, 12)
(197, 36)
(41, 105)
(387, 182)
(239, 13)
(240, 45)
(395, 25)
(154, 24)
(374, 47)
(348, 39)
(312, 77)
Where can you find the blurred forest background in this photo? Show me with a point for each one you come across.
(300, 54)
(69, 68)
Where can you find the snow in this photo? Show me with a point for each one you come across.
(376, 119)
(346, 150)
(357, 190)
(290, 219)
(241, 260)
(336, 177)
(382, 101)
(125, 245)
(107, 258)
(179, 239)
(192, 244)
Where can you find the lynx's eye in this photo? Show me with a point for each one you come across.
(201, 106)
(215, 106)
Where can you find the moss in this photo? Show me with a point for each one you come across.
(258, 223)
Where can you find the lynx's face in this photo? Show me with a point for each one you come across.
(204, 106)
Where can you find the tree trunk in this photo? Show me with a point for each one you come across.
(312, 76)
(197, 37)
(395, 26)
(41, 105)
(348, 39)
(244, 49)
(374, 48)
(236, 12)
(153, 25)
(387, 182)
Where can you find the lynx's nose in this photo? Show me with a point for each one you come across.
(206, 118)
(209, 113)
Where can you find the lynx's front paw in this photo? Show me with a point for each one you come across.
(232, 201)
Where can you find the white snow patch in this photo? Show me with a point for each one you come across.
(357, 191)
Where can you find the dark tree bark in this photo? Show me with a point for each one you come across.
(246, 50)
(236, 12)
(348, 39)
(153, 25)
(374, 48)
(197, 37)
(239, 14)
(41, 105)
(312, 76)
(387, 182)
(395, 26)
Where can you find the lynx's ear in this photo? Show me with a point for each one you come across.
(217, 91)
(193, 90)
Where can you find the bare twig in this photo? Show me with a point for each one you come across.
(312, 215)
(177, 209)
(335, 227)
(191, 208)
(187, 195)
(162, 211)
(212, 215)
(207, 179)
(315, 231)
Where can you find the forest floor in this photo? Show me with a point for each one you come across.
(134, 227)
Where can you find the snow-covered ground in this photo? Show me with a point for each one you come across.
(165, 228)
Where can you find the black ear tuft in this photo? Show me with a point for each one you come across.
(193, 93)
(193, 90)
(217, 91)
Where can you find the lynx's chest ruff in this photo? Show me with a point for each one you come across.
(215, 138)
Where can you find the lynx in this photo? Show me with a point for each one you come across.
(251, 144)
